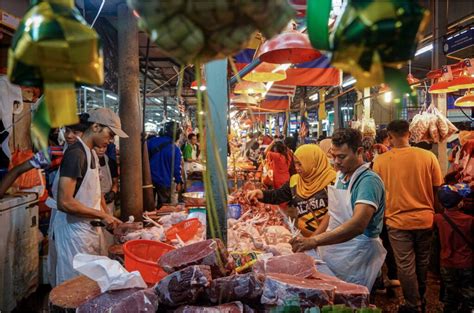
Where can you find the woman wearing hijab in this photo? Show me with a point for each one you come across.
(306, 192)
(325, 145)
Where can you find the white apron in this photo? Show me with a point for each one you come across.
(52, 255)
(360, 259)
(106, 183)
(51, 203)
(73, 234)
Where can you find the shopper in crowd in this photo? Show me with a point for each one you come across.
(306, 192)
(411, 176)
(280, 160)
(191, 149)
(455, 230)
(382, 141)
(382, 145)
(79, 195)
(254, 153)
(247, 143)
(165, 163)
(267, 140)
(350, 245)
(291, 143)
(325, 145)
(368, 143)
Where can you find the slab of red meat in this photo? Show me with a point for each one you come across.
(298, 265)
(352, 295)
(185, 286)
(122, 301)
(325, 277)
(281, 288)
(245, 287)
(209, 252)
(234, 307)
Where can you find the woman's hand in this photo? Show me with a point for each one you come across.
(301, 244)
(254, 195)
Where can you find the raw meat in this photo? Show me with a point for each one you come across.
(352, 295)
(280, 288)
(122, 230)
(122, 301)
(62, 300)
(234, 307)
(184, 286)
(246, 287)
(298, 265)
(209, 252)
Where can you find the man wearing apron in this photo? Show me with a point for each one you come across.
(79, 194)
(351, 246)
(70, 136)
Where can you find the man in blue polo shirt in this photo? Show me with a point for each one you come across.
(165, 163)
(351, 246)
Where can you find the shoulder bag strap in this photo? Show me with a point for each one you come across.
(457, 230)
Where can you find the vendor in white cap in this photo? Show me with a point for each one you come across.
(79, 195)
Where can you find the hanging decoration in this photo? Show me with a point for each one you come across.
(246, 87)
(266, 72)
(243, 101)
(442, 83)
(54, 48)
(465, 79)
(372, 39)
(412, 80)
(466, 101)
(288, 47)
(199, 31)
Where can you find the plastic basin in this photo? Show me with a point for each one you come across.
(142, 255)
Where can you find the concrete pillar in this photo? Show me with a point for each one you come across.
(131, 196)
(439, 10)
(165, 108)
(367, 102)
(337, 114)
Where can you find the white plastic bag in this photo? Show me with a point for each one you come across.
(109, 274)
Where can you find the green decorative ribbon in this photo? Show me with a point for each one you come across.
(372, 39)
(54, 48)
(200, 31)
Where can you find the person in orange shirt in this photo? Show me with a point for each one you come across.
(411, 177)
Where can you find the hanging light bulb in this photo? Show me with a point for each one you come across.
(194, 85)
(385, 94)
(466, 101)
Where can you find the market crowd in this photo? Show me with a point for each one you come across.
(361, 201)
(365, 201)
